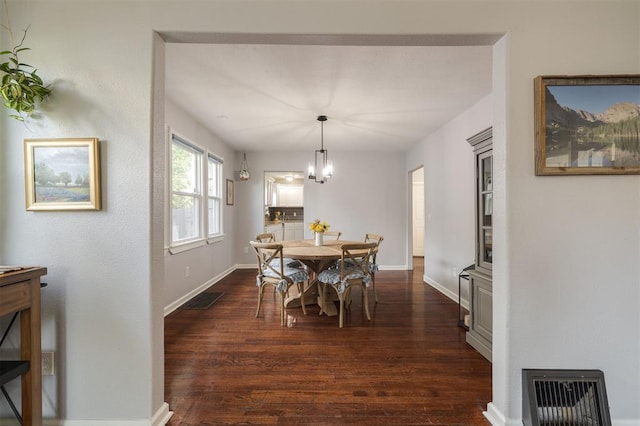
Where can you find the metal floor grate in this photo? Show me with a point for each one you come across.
(564, 398)
(202, 301)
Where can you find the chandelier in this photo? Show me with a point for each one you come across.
(322, 169)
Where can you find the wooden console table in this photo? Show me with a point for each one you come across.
(20, 292)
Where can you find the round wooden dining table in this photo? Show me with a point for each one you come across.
(317, 259)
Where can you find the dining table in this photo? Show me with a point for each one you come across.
(317, 259)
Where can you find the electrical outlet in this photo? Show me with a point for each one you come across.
(187, 271)
(455, 272)
(48, 364)
(246, 250)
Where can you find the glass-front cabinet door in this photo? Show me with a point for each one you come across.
(482, 144)
(485, 209)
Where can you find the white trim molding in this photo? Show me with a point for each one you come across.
(442, 289)
(162, 416)
(181, 301)
(496, 418)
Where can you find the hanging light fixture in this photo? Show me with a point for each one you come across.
(322, 169)
(244, 169)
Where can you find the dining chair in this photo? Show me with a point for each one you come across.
(271, 238)
(266, 238)
(272, 270)
(332, 234)
(377, 239)
(353, 269)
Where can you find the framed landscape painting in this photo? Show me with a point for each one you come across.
(587, 125)
(62, 174)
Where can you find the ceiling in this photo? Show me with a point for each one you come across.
(377, 97)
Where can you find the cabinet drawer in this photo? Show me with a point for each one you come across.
(15, 297)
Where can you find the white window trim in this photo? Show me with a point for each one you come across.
(214, 238)
(204, 237)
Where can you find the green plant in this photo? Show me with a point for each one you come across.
(21, 86)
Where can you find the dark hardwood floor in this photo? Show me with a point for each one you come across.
(409, 365)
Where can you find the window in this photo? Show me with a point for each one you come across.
(196, 203)
(214, 185)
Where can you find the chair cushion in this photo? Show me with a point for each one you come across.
(373, 267)
(291, 263)
(292, 275)
(332, 277)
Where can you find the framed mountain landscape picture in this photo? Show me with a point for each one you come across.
(587, 125)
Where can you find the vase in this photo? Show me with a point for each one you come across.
(318, 238)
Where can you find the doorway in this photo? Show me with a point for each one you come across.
(417, 212)
(416, 235)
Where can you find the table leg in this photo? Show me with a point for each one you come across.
(30, 350)
(311, 297)
(311, 293)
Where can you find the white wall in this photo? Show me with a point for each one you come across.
(572, 282)
(449, 240)
(567, 287)
(97, 313)
(367, 194)
(209, 263)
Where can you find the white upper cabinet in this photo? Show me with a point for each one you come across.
(290, 195)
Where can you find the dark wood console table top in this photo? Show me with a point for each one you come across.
(20, 292)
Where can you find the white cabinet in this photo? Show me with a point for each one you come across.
(293, 231)
(270, 195)
(290, 195)
(286, 230)
(276, 230)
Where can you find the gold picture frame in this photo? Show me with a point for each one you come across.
(587, 125)
(230, 194)
(62, 174)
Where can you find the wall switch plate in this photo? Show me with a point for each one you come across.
(48, 364)
(187, 271)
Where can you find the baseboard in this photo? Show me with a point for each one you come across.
(181, 301)
(162, 416)
(442, 289)
(246, 266)
(496, 418)
(393, 267)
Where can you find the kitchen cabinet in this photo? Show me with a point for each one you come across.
(286, 230)
(293, 231)
(270, 196)
(275, 229)
(290, 195)
(480, 334)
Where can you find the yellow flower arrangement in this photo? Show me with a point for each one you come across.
(317, 226)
